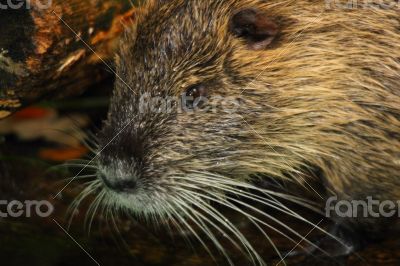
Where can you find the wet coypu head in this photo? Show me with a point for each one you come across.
(190, 49)
(284, 87)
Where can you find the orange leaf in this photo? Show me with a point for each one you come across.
(63, 154)
(32, 113)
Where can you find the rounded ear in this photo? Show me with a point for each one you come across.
(255, 27)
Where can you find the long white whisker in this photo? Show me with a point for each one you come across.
(93, 186)
(222, 179)
(178, 227)
(216, 199)
(180, 218)
(252, 220)
(90, 210)
(267, 192)
(206, 210)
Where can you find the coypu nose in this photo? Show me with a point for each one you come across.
(120, 185)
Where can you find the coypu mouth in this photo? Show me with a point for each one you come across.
(190, 202)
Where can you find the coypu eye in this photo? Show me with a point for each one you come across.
(196, 96)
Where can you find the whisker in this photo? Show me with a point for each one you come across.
(225, 222)
(82, 177)
(96, 204)
(283, 196)
(178, 227)
(78, 200)
(67, 165)
(180, 218)
(250, 217)
(213, 198)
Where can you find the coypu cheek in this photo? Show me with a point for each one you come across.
(255, 27)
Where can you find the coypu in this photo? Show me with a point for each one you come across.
(315, 89)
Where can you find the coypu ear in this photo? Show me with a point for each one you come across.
(255, 27)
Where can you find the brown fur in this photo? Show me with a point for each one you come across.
(324, 95)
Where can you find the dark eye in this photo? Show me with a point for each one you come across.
(197, 91)
(196, 96)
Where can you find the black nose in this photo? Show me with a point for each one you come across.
(121, 185)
